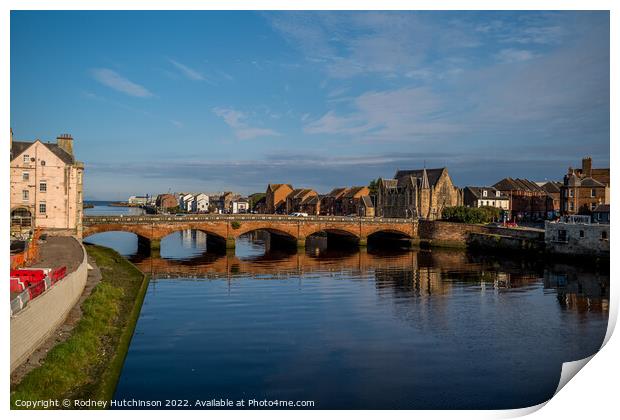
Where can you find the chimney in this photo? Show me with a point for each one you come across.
(586, 166)
(65, 142)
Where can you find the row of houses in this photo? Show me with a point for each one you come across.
(584, 190)
(424, 193)
(226, 202)
(342, 201)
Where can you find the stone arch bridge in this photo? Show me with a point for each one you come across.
(227, 228)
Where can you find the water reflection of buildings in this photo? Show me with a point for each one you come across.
(193, 239)
(420, 274)
(579, 289)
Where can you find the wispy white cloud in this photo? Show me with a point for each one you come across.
(113, 80)
(536, 35)
(187, 71)
(512, 55)
(237, 121)
(404, 114)
(363, 43)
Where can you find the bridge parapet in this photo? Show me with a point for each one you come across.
(91, 220)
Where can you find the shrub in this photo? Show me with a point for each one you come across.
(235, 225)
(462, 214)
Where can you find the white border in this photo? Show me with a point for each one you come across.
(592, 394)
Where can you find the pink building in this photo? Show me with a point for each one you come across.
(46, 187)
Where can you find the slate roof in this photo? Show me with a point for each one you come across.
(551, 187)
(477, 192)
(367, 201)
(336, 192)
(275, 187)
(591, 182)
(301, 192)
(433, 174)
(517, 184)
(19, 147)
(389, 183)
(352, 191)
(313, 199)
(404, 180)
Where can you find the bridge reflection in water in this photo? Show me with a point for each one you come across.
(186, 255)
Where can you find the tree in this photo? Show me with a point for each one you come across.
(255, 198)
(373, 186)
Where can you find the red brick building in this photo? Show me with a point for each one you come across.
(166, 201)
(584, 189)
(331, 203)
(303, 200)
(275, 198)
(528, 201)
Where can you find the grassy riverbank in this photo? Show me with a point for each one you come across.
(87, 365)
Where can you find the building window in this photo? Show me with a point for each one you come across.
(25, 176)
(571, 206)
(484, 193)
(561, 235)
(497, 193)
(26, 158)
(604, 234)
(42, 208)
(593, 193)
(570, 193)
(25, 195)
(581, 234)
(43, 186)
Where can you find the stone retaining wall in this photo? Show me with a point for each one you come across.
(438, 232)
(40, 318)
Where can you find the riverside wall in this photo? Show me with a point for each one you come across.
(39, 319)
(460, 235)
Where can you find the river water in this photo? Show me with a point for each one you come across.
(355, 329)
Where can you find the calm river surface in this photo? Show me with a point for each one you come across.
(355, 329)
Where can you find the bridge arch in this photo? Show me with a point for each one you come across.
(209, 232)
(284, 231)
(138, 230)
(390, 232)
(333, 230)
(142, 242)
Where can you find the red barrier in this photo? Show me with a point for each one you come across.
(34, 281)
(29, 276)
(36, 289)
(58, 274)
(17, 285)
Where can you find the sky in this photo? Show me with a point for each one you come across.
(213, 100)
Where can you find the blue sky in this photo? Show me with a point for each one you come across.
(212, 101)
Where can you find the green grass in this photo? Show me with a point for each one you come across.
(88, 364)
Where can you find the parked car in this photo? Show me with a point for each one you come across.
(180, 215)
(298, 214)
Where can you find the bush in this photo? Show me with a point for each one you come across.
(235, 225)
(462, 214)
